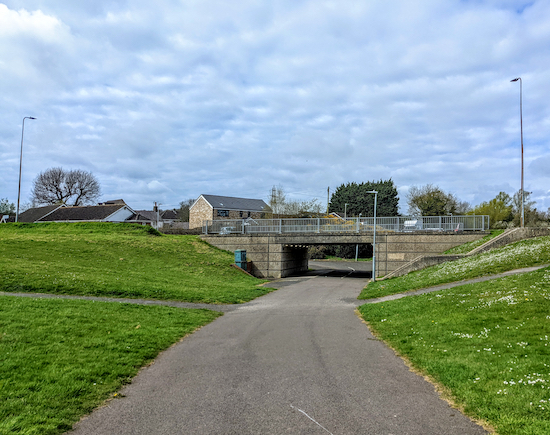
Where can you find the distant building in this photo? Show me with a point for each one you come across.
(87, 213)
(214, 207)
(109, 211)
(159, 218)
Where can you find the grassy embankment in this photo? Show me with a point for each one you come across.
(485, 344)
(119, 260)
(61, 358)
(467, 247)
(524, 253)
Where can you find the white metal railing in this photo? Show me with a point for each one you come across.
(349, 225)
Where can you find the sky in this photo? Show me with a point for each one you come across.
(164, 101)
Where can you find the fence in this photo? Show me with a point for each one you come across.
(349, 225)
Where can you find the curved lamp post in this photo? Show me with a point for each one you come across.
(374, 237)
(20, 165)
(522, 217)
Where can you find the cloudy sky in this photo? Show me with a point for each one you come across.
(166, 100)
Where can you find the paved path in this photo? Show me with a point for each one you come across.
(296, 361)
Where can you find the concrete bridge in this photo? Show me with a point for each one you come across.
(279, 247)
(280, 255)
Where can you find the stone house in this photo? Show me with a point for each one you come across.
(214, 207)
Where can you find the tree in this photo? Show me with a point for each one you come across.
(6, 207)
(531, 214)
(58, 186)
(277, 200)
(430, 200)
(281, 206)
(499, 209)
(183, 211)
(359, 201)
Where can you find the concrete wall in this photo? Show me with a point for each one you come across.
(269, 258)
(397, 249)
(277, 256)
(509, 236)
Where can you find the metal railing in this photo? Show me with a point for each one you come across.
(349, 225)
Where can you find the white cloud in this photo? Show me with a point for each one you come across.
(169, 100)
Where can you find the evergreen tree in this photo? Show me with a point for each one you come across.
(361, 202)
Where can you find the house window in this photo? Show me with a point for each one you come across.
(241, 213)
(223, 213)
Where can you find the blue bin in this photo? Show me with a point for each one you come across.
(240, 258)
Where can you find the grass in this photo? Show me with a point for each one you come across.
(333, 258)
(524, 253)
(59, 359)
(467, 247)
(119, 260)
(487, 344)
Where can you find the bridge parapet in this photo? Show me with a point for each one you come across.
(347, 225)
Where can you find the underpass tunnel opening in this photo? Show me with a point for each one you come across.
(348, 251)
(338, 260)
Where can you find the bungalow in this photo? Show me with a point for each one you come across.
(158, 218)
(88, 213)
(214, 207)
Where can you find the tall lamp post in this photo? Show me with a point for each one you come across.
(374, 237)
(20, 165)
(522, 217)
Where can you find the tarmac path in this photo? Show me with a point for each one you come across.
(295, 361)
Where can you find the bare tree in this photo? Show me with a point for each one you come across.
(57, 186)
(282, 206)
(183, 211)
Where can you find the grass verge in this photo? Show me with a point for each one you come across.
(333, 258)
(467, 247)
(524, 253)
(486, 343)
(119, 260)
(59, 359)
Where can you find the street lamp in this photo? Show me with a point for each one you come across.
(374, 237)
(20, 164)
(357, 245)
(522, 217)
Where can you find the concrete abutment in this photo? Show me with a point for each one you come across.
(278, 256)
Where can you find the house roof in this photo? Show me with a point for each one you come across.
(35, 213)
(82, 213)
(147, 214)
(169, 214)
(231, 203)
(113, 202)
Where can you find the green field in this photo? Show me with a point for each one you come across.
(486, 343)
(524, 253)
(61, 358)
(119, 260)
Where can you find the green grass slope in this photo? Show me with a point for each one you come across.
(524, 253)
(467, 247)
(487, 344)
(119, 260)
